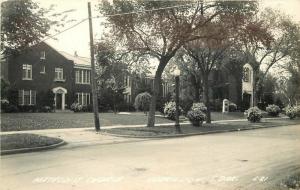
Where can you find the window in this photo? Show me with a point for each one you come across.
(43, 55)
(83, 98)
(80, 76)
(59, 74)
(77, 77)
(246, 75)
(83, 77)
(43, 69)
(27, 72)
(27, 97)
(88, 77)
(126, 81)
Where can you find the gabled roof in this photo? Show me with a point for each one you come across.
(78, 60)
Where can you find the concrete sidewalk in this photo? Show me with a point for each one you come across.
(78, 137)
(49, 131)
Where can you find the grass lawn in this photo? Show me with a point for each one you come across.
(216, 116)
(291, 182)
(32, 121)
(189, 129)
(17, 141)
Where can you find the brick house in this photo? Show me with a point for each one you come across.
(41, 69)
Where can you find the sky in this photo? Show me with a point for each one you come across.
(77, 39)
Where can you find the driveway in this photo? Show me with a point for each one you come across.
(255, 159)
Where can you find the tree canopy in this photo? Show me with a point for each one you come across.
(161, 28)
(25, 23)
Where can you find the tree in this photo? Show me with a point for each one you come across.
(111, 73)
(288, 85)
(142, 102)
(159, 33)
(25, 23)
(207, 58)
(267, 40)
(4, 88)
(190, 76)
(114, 67)
(233, 64)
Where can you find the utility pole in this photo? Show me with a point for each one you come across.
(202, 12)
(177, 124)
(94, 91)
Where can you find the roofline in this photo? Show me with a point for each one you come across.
(81, 66)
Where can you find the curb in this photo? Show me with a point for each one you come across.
(187, 135)
(117, 126)
(34, 149)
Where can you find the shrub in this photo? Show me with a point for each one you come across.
(11, 109)
(186, 104)
(291, 112)
(196, 115)
(13, 96)
(199, 106)
(46, 98)
(232, 107)
(273, 110)
(253, 114)
(4, 88)
(4, 105)
(142, 101)
(84, 108)
(28, 108)
(160, 104)
(216, 105)
(103, 107)
(7, 107)
(76, 107)
(124, 106)
(297, 108)
(90, 108)
(46, 109)
(170, 110)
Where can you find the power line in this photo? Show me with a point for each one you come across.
(145, 11)
(172, 7)
(120, 14)
(85, 19)
(69, 28)
(51, 36)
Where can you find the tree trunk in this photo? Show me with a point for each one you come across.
(206, 97)
(157, 82)
(255, 87)
(196, 88)
(197, 94)
(238, 88)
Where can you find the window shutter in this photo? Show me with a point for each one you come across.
(30, 71)
(33, 97)
(23, 72)
(77, 76)
(89, 77)
(20, 97)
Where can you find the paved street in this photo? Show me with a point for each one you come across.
(254, 159)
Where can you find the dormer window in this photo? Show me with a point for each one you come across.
(43, 55)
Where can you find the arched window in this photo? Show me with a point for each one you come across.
(246, 74)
